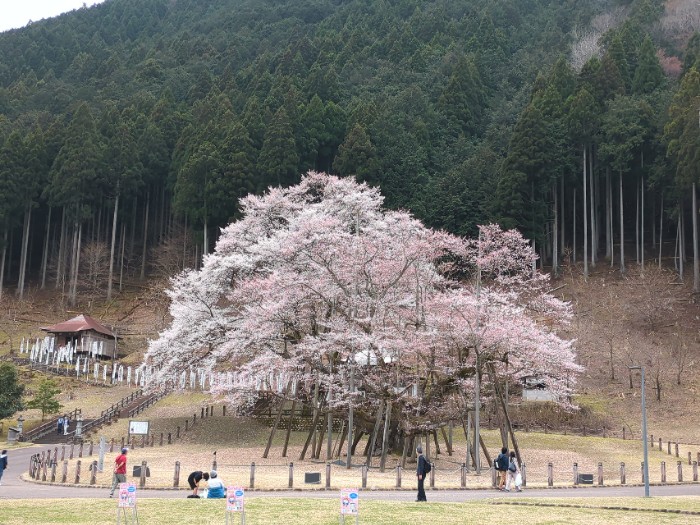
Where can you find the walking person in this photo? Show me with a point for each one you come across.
(59, 426)
(119, 471)
(422, 468)
(502, 468)
(193, 479)
(3, 463)
(514, 477)
(66, 424)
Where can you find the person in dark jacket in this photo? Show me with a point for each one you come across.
(502, 462)
(3, 463)
(420, 473)
(194, 479)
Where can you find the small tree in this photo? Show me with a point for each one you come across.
(10, 391)
(45, 398)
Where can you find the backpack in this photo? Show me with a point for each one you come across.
(427, 467)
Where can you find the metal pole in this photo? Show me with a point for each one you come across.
(644, 438)
(644, 431)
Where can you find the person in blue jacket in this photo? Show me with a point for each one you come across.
(3, 463)
(216, 486)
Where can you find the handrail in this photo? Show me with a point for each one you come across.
(47, 427)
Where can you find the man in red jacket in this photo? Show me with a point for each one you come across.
(119, 471)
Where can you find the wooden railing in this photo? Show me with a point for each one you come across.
(47, 427)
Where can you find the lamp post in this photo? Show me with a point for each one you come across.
(644, 432)
(79, 426)
(20, 424)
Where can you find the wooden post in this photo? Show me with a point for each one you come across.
(550, 475)
(170, 438)
(80, 450)
(695, 470)
(142, 481)
(575, 473)
(72, 447)
(623, 475)
(161, 440)
(187, 424)
(177, 432)
(77, 472)
(111, 445)
(660, 445)
(176, 475)
(642, 470)
(523, 474)
(202, 416)
(398, 476)
(223, 409)
(600, 474)
(153, 439)
(690, 458)
(53, 472)
(364, 476)
(122, 442)
(698, 458)
(450, 431)
(143, 441)
(93, 473)
(663, 472)
(680, 471)
(494, 475)
(463, 476)
(669, 448)
(624, 433)
(64, 473)
(651, 440)
(63, 452)
(427, 446)
(677, 452)
(437, 444)
(328, 475)
(90, 448)
(432, 475)
(252, 475)
(291, 475)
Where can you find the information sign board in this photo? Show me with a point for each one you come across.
(127, 496)
(235, 499)
(138, 428)
(349, 502)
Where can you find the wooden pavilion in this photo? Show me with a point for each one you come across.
(88, 336)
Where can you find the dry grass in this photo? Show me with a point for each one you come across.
(311, 511)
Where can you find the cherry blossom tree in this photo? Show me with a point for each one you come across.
(317, 289)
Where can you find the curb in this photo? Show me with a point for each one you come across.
(593, 507)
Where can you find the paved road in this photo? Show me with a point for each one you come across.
(14, 488)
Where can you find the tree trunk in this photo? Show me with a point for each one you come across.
(205, 245)
(121, 258)
(696, 263)
(641, 225)
(60, 266)
(608, 204)
(2, 263)
(585, 214)
(145, 236)
(681, 241)
(661, 228)
(112, 249)
(573, 224)
(594, 237)
(622, 230)
(25, 245)
(636, 227)
(555, 233)
(562, 215)
(45, 255)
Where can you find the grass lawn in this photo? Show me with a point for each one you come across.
(310, 511)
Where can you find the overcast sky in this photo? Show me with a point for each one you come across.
(16, 13)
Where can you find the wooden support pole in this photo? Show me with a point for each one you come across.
(77, 472)
(398, 476)
(680, 471)
(385, 437)
(600, 474)
(695, 470)
(663, 472)
(142, 480)
(373, 441)
(53, 472)
(291, 475)
(289, 428)
(328, 475)
(550, 475)
(252, 475)
(432, 475)
(575, 473)
(623, 474)
(64, 472)
(314, 422)
(364, 476)
(437, 444)
(447, 441)
(93, 473)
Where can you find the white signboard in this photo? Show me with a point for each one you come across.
(127, 496)
(235, 499)
(349, 502)
(138, 428)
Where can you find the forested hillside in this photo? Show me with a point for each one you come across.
(129, 129)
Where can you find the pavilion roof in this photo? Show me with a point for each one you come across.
(80, 323)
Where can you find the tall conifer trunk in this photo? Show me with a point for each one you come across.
(2, 263)
(555, 233)
(60, 267)
(641, 247)
(145, 236)
(608, 237)
(45, 256)
(594, 240)
(696, 263)
(661, 228)
(114, 239)
(622, 229)
(585, 216)
(562, 215)
(25, 245)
